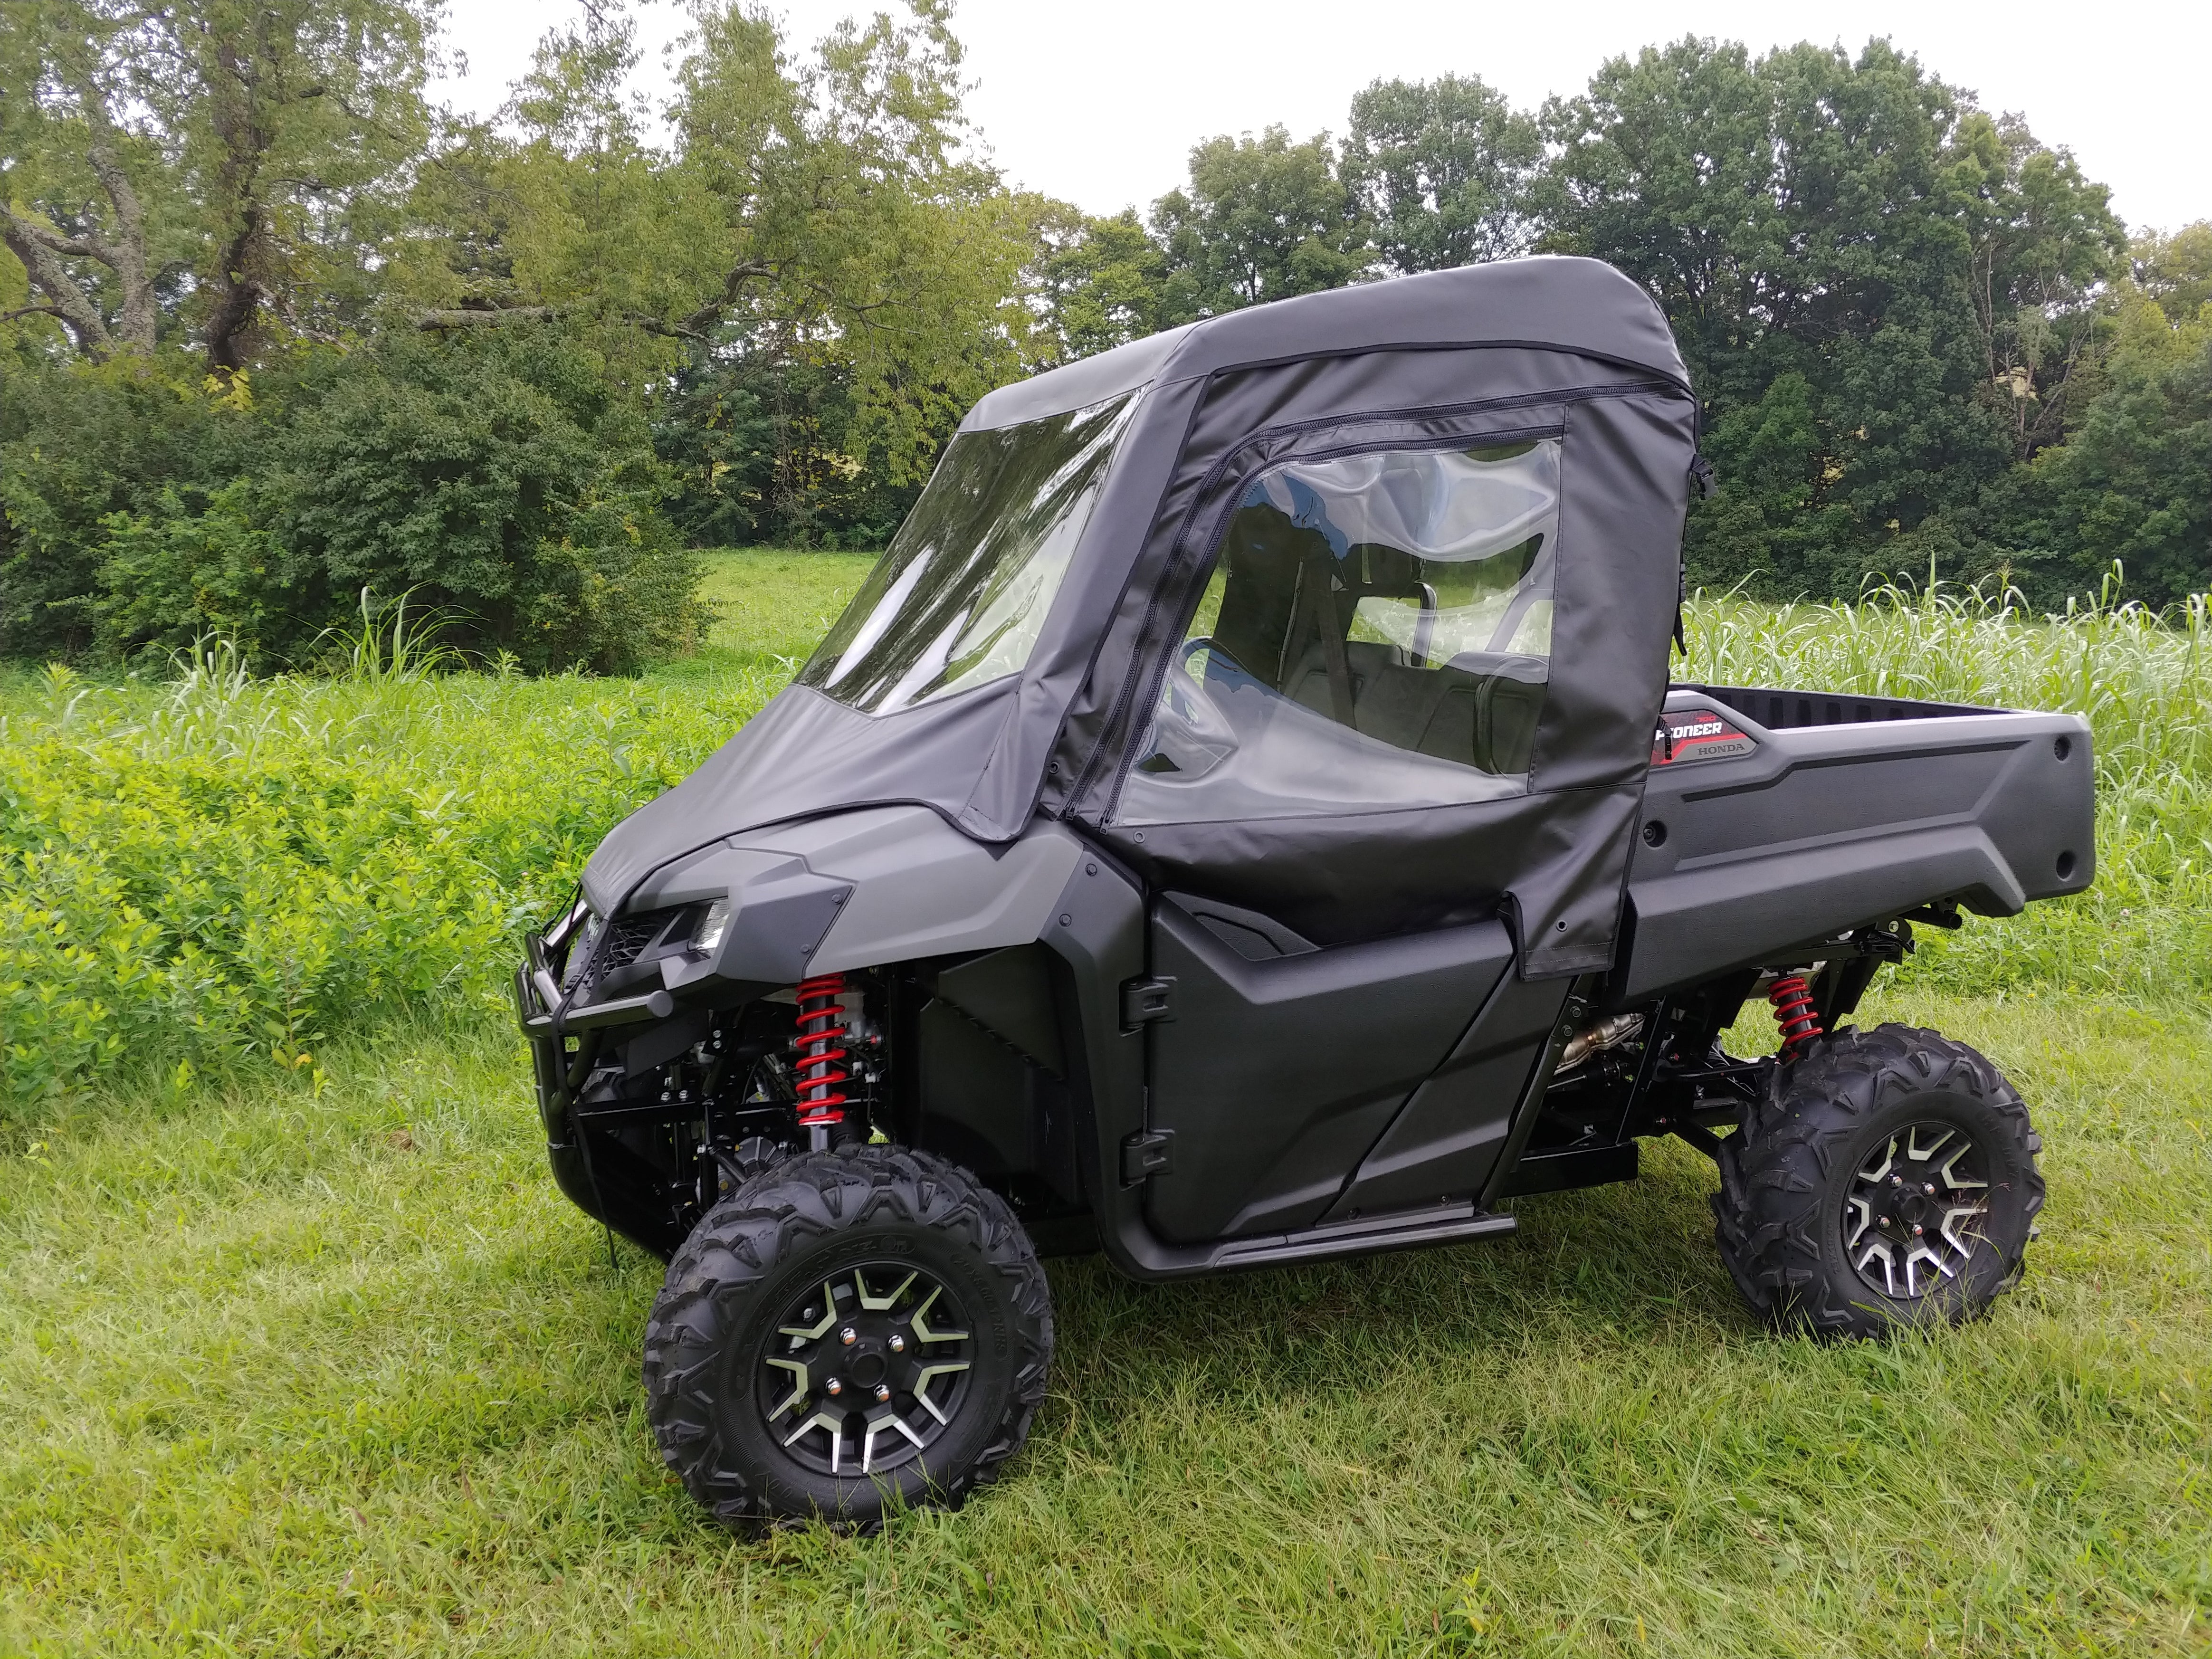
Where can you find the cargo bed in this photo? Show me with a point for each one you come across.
(1775, 817)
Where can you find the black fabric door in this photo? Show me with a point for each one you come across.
(1410, 680)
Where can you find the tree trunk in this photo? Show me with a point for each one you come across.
(43, 249)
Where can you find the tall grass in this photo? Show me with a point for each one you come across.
(2144, 680)
(220, 869)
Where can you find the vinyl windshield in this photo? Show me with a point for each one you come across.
(960, 598)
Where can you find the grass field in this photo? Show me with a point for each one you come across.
(305, 1355)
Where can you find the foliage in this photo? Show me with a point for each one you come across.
(759, 451)
(135, 435)
(816, 212)
(1263, 219)
(497, 478)
(1869, 280)
(1100, 282)
(1922, 344)
(171, 575)
(220, 867)
(204, 869)
(1442, 169)
(257, 146)
(2130, 481)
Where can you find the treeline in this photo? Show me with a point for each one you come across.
(274, 329)
(1923, 340)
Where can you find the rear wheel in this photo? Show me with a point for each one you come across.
(849, 1331)
(1890, 1179)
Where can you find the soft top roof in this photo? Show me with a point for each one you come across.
(1453, 360)
(1561, 303)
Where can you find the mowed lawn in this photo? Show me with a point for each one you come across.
(285, 1371)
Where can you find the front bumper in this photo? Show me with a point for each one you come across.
(549, 1020)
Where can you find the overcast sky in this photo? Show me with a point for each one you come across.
(1100, 105)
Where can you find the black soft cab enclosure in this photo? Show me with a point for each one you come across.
(1244, 819)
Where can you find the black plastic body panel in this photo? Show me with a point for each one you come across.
(1830, 826)
(1446, 1142)
(990, 1082)
(1276, 1076)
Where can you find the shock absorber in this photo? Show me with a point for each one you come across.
(821, 1069)
(1795, 1013)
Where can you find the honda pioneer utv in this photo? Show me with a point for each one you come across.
(1244, 820)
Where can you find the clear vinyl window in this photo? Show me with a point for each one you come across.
(1376, 633)
(959, 597)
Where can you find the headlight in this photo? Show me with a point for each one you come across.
(707, 937)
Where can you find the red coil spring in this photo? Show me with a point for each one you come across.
(1795, 1013)
(822, 1051)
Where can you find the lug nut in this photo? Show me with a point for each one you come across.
(1896, 1181)
(1917, 1229)
(898, 1343)
(1884, 1220)
(848, 1336)
(1929, 1189)
(833, 1386)
(883, 1391)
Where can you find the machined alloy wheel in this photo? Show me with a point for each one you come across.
(850, 1331)
(868, 1379)
(1912, 1215)
(1888, 1179)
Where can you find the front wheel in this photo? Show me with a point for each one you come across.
(850, 1331)
(1890, 1179)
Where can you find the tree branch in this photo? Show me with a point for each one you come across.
(733, 285)
(126, 255)
(487, 317)
(76, 247)
(434, 321)
(66, 299)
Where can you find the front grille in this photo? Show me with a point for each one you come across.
(627, 937)
(606, 948)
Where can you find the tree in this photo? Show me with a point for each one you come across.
(206, 167)
(71, 177)
(2175, 271)
(1099, 281)
(1867, 277)
(821, 211)
(1440, 169)
(1263, 219)
(2133, 479)
(2041, 240)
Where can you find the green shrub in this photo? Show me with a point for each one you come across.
(497, 476)
(147, 437)
(171, 575)
(2134, 482)
(230, 870)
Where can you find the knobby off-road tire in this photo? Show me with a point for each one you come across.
(870, 1266)
(1822, 1190)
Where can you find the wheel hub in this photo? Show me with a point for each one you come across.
(867, 1370)
(1913, 1214)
